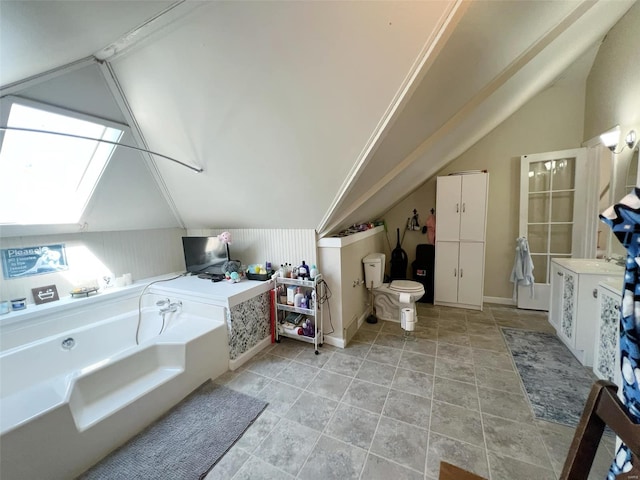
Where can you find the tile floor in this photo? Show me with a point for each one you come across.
(387, 407)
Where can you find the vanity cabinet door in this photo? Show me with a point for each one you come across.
(606, 348)
(557, 288)
(568, 315)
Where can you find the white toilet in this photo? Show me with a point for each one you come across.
(390, 299)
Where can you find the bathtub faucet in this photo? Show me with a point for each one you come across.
(162, 303)
(172, 307)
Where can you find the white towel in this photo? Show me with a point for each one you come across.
(522, 273)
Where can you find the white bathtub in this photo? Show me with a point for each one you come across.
(61, 410)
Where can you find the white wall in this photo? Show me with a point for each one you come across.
(613, 84)
(143, 253)
(613, 98)
(341, 266)
(260, 245)
(552, 120)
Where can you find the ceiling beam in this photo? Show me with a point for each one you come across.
(118, 94)
(489, 89)
(424, 61)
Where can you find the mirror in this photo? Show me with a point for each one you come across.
(626, 169)
(605, 195)
(632, 171)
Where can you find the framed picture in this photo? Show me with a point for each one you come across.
(26, 261)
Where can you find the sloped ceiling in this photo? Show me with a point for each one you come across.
(307, 114)
(37, 36)
(275, 100)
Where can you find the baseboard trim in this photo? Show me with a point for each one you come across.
(249, 354)
(500, 300)
(333, 341)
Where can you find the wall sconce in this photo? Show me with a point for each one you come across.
(610, 139)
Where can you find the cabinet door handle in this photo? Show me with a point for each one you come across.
(455, 273)
(463, 206)
(560, 274)
(457, 208)
(595, 293)
(460, 273)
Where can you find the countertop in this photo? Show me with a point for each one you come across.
(222, 293)
(614, 286)
(592, 266)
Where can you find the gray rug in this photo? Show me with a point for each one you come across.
(186, 442)
(556, 383)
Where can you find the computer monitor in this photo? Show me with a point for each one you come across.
(204, 255)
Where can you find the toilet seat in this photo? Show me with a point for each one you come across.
(406, 286)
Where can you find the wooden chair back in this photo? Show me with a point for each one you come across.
(603, 408)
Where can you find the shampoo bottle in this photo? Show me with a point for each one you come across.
(297, 300)
(313, 272)
(303, 270)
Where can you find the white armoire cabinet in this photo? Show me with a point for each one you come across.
(461, 204)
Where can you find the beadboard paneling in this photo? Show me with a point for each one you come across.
(143, 253)
(275, 245)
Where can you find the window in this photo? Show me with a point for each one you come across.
(49, 179)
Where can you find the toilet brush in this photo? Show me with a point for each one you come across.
(372, 316)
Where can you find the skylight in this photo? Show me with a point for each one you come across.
(49, 179)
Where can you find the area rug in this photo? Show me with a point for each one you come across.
(556, 383)
(186, 442)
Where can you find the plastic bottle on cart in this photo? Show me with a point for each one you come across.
(291, 295)
(293, 330)
(303, 270)
(297, 300)
(307, 328)
(313, 273)
(309, 297)
(294, 272)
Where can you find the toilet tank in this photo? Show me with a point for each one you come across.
(374, 269)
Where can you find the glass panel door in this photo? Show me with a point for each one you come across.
(547, 212)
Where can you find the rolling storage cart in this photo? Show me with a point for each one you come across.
(289, 318)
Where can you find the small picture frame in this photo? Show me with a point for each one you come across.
(46, 294)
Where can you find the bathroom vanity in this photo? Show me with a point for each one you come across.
(574, 311)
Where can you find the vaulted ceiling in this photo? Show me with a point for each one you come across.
(304, 114)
